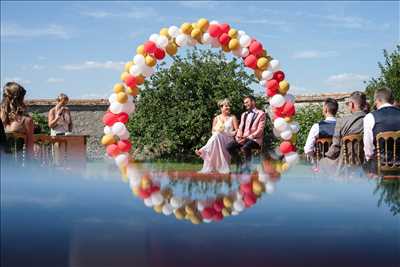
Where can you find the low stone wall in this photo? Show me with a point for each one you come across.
(87, 116)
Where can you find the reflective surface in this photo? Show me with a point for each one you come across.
(56, 218)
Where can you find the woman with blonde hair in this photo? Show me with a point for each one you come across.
(13, 113)
(59, 118)
(216, 157)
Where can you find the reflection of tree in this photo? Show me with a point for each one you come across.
(389, 194)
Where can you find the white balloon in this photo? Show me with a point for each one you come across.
(200, 205)
(237, 52)
(147, 71)
(276, 132)
(291, 158)
(139, 60)
(157, 198)
(262, 177)
(245, 52)
(148, 202)
(275, 65)
(295, 127)
(129, 107)
(181, 40)
(234, 213)
(280, 124)
(206, 39)
(286, 135)
(238, 205)
(267, 74)
(244, 40)
(135, 70)
(241, 33)
(124, 136)
(116, 107)
(122, 159)
(214, 22)
(162, 41)
(290, 98)
(269, 187)
(132, 172)
(107, 130)
(173, 31)
(153, 37)
(167, 209)
(112, 98)
(134, 183)
(277, 101)
(176, 202)
(118, 128)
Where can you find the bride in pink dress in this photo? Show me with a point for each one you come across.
(216, 157)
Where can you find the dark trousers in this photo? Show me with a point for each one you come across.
(247, 146)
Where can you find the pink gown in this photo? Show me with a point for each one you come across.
(216, 157)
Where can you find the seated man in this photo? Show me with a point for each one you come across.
(324, 128)
(385, 118)
(350, 124)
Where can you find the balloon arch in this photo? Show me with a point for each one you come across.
(266, 69)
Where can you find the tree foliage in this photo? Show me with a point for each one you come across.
(175, 109)
(389, 76)
(40, 123)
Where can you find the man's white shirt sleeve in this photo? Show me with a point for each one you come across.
(368, 138)
(312, 136)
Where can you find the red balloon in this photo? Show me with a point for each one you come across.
(109, 118)
(159, 53)
(286, 147)
(124, 145)
(218, 205)
(225, 27)
(269, 92)
(249, 200)
(279, 75)
(246, 188)
(150, 47)
(288, 109)
(154, 188)
(214, 30)
(122, 117)
(256, 48)
(130, 81)
(278, 112)
(250, 61)
(208, 213)
(144, 193)
(273, 85)
(224, 39)
(218, 216)
(113, 150)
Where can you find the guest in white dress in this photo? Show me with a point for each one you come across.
(215, 155)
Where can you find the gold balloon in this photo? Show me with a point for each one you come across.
(140, 50)
(186, 28)
(124, 75)
(262, 63)
(196, 33)
(164, 32)
(233, 33)
(179, 214)
(158, 208)
(278, 167)
(132, 91)
(233, 44)
(171, 49)
(118, 88)
(189, 210)
(288, 119)
(145, 183)
(128, 65)
(283, 87)
(140, 79)
(202, 24)
(150, 61)
(166, 193)
(195, 220)
(194, 25)
(225, 212)
(285, 167)
(227, 202)
(258, 187)
(122, 97)
(108, 139)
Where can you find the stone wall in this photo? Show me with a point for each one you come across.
(87, 116)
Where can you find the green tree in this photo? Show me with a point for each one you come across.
(389, 76)
(40, 123)
(306, 116)
(175, 109)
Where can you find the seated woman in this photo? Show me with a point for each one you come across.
(214, 153)
(59, 117)
(13, 113)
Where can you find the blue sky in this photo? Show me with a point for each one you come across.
(79, 47)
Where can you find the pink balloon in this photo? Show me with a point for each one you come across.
(109, 118)
(256, 48)
(122, 117)
(214, 30)
(218, 216)
(130, 81)
(113, 150)
(286, 147)
(273, 85)
(224, 39)
(288, 109)
(225, 27)
(249, 199)
(124, 145)
(218, 205)
(250, 61)
(150, 47)
(246, 188)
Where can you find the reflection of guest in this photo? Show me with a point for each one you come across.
(13, 113)
(214, 153)
(3, 138)
(59, 118)
(324, 128)
(385, 118)
(351, 124)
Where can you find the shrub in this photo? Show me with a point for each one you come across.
(40, 123)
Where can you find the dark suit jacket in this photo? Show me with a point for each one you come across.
(351, 124)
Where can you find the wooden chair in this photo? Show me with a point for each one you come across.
(15, 146)
(355, 143)
(321, 147)
(388, 159)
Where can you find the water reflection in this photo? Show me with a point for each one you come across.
(389, 194)
(198, 197)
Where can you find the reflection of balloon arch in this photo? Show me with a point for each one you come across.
(266, 69)
(158, 190)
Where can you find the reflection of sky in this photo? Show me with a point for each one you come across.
(95, 222)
